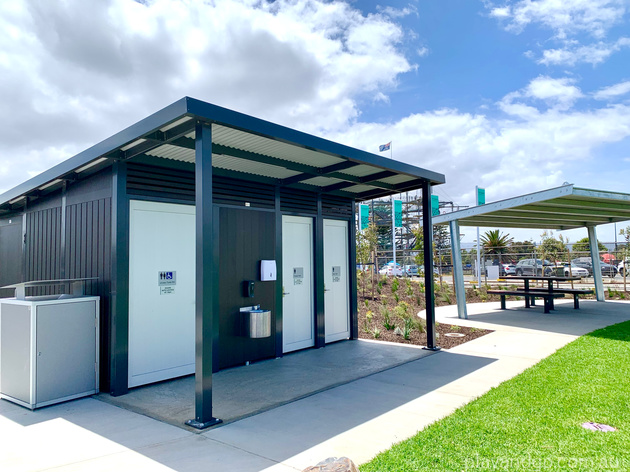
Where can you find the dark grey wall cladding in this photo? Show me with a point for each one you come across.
(10, 253)
(298, 201)
(42, 248)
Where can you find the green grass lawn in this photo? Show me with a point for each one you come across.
(532, 422)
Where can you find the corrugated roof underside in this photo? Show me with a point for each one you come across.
(168, 151)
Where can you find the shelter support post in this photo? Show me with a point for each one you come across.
(458, 271)
(427, 235)
(597, 270)
(206, 279)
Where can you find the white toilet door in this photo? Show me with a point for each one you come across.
(336, 280)
(161, 291)
(298, 323)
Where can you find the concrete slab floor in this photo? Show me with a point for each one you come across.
(357, 419)
(248, 390)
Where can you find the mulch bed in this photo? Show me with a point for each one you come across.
(410, 291)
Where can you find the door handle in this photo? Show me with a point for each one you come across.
(286, 293)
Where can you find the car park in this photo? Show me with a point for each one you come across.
(533, 267)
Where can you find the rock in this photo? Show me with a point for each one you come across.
(333, 464)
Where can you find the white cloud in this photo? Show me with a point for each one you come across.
(613, 91)
(563, 17)
(592, 54)
(423, 51)
(556, 93)
(398, 12)
(80, 70)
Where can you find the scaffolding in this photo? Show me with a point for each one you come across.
(381, 216)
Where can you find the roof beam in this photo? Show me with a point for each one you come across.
(321, 172)
(555, 210)
(153, 140)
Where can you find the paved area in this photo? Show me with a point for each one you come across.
(248, 390)
(357, 419)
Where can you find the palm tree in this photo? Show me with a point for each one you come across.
(496, 243)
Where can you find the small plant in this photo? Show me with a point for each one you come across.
(384, 300)
(367, 303)
(387, 316)
(409, 291)
(409, 325)
(379, 288)
(376, 333)
(474, 330)
(383, 280)
(369, 315)
(398, 331)
(418, 300)
(446, 298)
(395, 285)
(396, 297)
(455, 328)
(402, 310)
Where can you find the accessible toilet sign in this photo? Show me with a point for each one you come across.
(167, 278)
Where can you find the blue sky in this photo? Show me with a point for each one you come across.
(514, 96)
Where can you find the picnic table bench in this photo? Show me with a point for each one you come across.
(576, 292)
(529, 295)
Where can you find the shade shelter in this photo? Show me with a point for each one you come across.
(186, 205)
(561, 208)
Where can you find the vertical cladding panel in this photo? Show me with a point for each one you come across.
(43, 232)
(246, 237)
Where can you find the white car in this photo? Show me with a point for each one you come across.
(621, 267)
(391, 269)
(575, 271)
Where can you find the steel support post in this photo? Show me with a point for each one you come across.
(427, 234)
(597, 269)
(206, 279)
(458, 271)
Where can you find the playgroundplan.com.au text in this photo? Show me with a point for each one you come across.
(536, 463)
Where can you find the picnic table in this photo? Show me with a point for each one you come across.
(548, 294)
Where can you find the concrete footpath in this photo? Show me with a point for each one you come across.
(357, 419)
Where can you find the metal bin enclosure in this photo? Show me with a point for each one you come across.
(48, 349)
(257, 323)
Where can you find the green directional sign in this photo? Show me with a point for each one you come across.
(435, 205)
(398, 213)
(364, 216)
(481, 196)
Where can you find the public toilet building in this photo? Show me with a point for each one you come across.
(190, 216)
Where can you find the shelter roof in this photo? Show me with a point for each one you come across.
(561, 208)
(244, 147)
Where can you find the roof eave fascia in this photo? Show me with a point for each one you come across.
(216, 114)
(535, 197)
(155, 121)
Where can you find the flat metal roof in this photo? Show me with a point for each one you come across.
(243, 147)
(560, 208)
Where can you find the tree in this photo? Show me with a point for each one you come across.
(367, 241)
(552, 248)
(584, 246)
(522, 248)
(441, 241)
(495, 243)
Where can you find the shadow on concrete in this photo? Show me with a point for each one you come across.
(303, 421)
(244, 391)
(564, 319)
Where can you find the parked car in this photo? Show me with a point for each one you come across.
(533, 267)
(621, 267)
(576, 271)
(391, 269)
(507, 269)
(586, 262)
(411, 270)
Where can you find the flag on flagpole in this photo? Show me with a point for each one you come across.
(384, 147)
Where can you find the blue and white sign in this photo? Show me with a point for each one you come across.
(167, 278)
